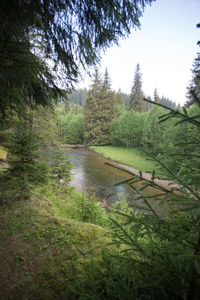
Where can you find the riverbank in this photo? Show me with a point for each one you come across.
(132, 157)
(128, 158)
(72, 146)
(49, 241)
(43, 248)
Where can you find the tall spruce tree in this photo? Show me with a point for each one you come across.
(107, 107)
(90, 111)
(136, 101)
(155, 96)
(98, 110)
(106, 81)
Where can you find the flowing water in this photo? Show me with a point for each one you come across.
(90, 173)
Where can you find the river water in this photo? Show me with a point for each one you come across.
(89, 172)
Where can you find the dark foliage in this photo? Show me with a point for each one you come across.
(66, 34)
(194, 88)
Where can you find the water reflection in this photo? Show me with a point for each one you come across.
(90, 172)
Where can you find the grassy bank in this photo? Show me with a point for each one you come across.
(3, 153)
(132, 157)
(42, 249)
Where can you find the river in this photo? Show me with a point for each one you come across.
(89, 172)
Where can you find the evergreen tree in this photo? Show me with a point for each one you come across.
(107, 106)
(67, 104)
(78, 96)
(25, 171)
(90, 111)
(68, 33)
(194, 88)
(155, 96)
(106, 81)
(167, 102)
(98, 111)
(136, 101)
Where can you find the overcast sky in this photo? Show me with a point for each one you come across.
(165, 47)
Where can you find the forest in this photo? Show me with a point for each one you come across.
(56, 242)
(101, 116)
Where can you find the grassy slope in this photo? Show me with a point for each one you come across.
(3, 153)
(42, 250)
(41, 253)
(132, 157)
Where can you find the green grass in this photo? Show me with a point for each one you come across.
(132, 157)
(80, 207)
(42, 251)
(3, 153)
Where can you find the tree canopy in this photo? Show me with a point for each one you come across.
(45, 43)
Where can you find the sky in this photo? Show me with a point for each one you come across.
(165, 47)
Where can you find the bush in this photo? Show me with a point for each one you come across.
(86, 209)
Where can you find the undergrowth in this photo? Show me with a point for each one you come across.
(43, 251)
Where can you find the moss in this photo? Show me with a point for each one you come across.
(42, 252)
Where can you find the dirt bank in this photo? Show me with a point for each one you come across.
(163, 182)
